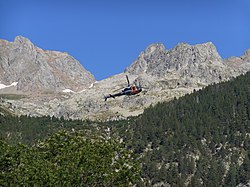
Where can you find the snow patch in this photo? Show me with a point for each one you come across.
(2, 86)
(68, 91)
(91, 85)
(14, 83)
(81, 91)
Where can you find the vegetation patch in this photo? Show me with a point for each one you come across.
(12, 96)
(201, 139)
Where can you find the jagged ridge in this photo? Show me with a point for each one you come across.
(38, 70)
(165, 73)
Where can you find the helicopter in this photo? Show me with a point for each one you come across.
(129, 90)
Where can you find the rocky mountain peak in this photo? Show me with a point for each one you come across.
(237, 64)
(40, 71)
(154, 48)
(163, 74)
(22, 45)
(157, 61)
(184, 53)
(209, 50)
(246, 55)
(247, 52)
(22, 40)
(147, 57)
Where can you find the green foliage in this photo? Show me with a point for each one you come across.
(195, 136)
(68, 159)
(11, 96)
(28, 130)
(201, 139)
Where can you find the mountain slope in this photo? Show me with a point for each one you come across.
(164, 73)
(40, 71)
(201, 139)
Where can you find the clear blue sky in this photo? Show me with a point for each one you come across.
(106, 36)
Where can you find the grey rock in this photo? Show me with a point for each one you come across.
(164, 75)
(38, 70)
(239, 64)
(244, 185)
(201, 62)
(149, 57)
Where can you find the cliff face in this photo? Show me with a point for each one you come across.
(164, 73)
(197, 64)
(37, 70)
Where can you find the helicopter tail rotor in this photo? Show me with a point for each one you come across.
(139, 84)
(142, 88)
(108, 96)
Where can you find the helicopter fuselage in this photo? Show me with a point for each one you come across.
(130, 90)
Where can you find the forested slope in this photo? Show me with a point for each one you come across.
(28, 130)
(201, 139)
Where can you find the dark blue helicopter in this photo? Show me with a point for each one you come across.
(129, 90)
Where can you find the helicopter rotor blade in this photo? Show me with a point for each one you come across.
(128, 81)
(139, 84)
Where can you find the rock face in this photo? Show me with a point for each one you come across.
(164, 73)
(239, 64)
(153, 55)
(198, 64)
(37, 70)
